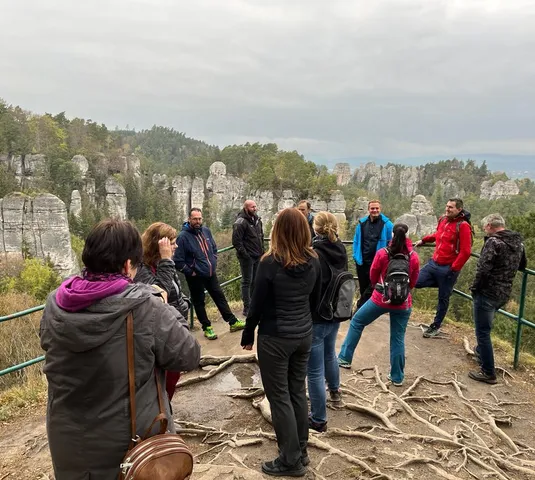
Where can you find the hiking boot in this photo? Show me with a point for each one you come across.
(343, 364)
(305, 460)
(209, 333)
(277, 469)
(318, 426)
(237, 325)
(396, 384)
(336, 396)
(481, 376)
(432, 331)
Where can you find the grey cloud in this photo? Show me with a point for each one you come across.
(390, 77)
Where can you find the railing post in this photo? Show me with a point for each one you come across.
(520, 317)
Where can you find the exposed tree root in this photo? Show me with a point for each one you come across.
(251, 358)
(469, 445)
(373, 413)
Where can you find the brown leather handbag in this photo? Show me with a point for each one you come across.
(161, 457)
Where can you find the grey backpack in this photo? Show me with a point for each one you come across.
(337, 302)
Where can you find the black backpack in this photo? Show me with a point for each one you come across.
(336, 304)
(396, 283)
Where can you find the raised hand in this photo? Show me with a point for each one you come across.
(164, 245)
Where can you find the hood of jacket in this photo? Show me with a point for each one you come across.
(512, 239)
(334, 253)
(93, 326)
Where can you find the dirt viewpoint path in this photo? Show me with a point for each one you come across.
(440, 424)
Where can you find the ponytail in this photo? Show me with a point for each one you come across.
(399, 240)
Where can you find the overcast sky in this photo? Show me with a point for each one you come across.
(338, 78)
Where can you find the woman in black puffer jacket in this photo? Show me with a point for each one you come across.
(158, 268)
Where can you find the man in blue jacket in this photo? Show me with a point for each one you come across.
(373, 232)
(196, 258)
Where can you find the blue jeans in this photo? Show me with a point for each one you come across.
(433, 275)
(484, 310)
(398, 324)
(322, 365)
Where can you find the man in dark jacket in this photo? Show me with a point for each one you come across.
(248, 240)
(305, 207)
(453, 245)
(196, 258)
(502, 255)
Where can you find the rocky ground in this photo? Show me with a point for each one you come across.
(440, 424)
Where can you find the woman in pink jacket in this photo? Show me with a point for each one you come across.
(380, 303)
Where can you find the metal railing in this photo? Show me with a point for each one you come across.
(520, 320)
(23, 313)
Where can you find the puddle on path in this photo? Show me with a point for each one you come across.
(243, 376)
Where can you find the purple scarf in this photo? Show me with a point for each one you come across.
(77, 293)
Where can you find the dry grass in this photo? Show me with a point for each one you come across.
(19, 341)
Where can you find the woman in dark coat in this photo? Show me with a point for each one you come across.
(158, 268)
(83, 334)
(287, 289)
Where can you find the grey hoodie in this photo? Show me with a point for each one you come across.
(88, 414)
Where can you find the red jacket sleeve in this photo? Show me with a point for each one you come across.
(379, 265)
(465, 247)
(414, 269)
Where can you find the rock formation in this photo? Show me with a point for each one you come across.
(197, 193)
(39, 227)
(499, 190)
(225, 192)
(265, 202)
(421, 220)
(82, 164)
(75, 207)
(337, 206)
(408, 181)
(180, 194)
(450, 188)
(343, 173)
(115, 199)
(287, 200)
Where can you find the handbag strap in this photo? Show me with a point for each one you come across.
(162, 416)
(131, 378)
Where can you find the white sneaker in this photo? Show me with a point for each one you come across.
(396, 384)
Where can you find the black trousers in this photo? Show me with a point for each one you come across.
(365, 286)
(248, 267)
(283, 367)
(197, 285)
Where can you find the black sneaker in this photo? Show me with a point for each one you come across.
(432, 331)
(277, 469)
(305, 460)
(481, 376)
(336, 396)
(319, 427)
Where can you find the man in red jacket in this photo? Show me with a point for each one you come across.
(453, 240)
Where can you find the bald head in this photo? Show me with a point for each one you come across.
(250, 207)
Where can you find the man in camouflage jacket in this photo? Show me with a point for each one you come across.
(502, 255)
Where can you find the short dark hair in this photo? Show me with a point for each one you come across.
(194, 209)
(458, 202)
(308, 204)
(110, 244)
